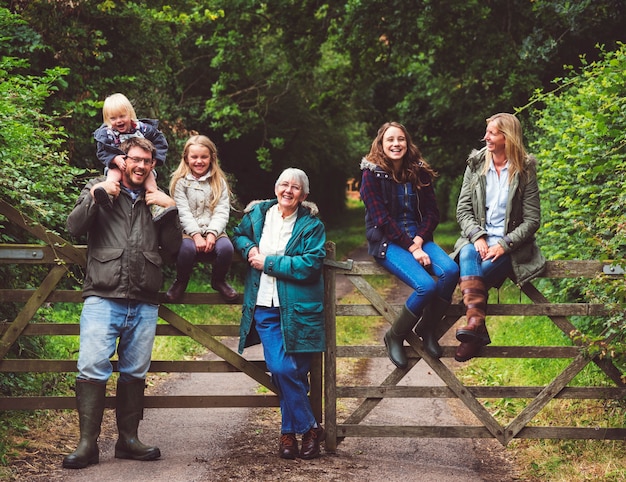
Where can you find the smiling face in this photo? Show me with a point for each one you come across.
(394, 144)
(494, 139)
(198, 159)
(139, 164)
(290, 194)
(121, 121)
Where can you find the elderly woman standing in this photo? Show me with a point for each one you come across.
(499, 213)
(283, 241)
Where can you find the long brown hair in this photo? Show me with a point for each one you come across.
(217, 180)
(413, 163)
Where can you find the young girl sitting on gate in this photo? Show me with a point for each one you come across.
(202, 195)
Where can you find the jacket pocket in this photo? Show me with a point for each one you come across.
(105, 267)
(308, 319)
(151, 277)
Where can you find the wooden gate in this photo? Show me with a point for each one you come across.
(469, 395)
(56, 253)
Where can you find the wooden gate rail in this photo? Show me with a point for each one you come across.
(470, 395)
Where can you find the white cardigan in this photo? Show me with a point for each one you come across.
(192, 200)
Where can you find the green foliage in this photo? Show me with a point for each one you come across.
(580, 139)
(34, 175)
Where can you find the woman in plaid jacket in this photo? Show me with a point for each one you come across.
(400, 218)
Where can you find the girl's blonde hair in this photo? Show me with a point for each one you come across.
(217, 180)
(514, 148)
(117, 103)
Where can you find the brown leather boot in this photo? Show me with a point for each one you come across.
(219, 284)
(311, 443)
(288, 446)
(227, 291)
(465, 351)
(177, 290)
(475, 300)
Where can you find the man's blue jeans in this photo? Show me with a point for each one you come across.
(405, 267)
(290, 372)
(493, 272)
(102, 322)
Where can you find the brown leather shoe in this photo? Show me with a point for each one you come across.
(311, 443)
(288, 446)
(467, 350)
(474, 332)
(226, 290)
(176, 291)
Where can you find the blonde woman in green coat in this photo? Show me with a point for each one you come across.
(499, 213)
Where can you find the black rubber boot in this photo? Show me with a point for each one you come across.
(90, 403)
(394, 338)
(427, 325)
(129, 411)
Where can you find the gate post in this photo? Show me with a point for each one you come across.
(330, 357)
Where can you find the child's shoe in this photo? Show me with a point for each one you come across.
(102, 198)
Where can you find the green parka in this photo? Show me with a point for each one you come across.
(522, 218)
(298, 276)
(123, 259)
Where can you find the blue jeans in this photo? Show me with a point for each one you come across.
(493, 272)
(102, 322)
(290, 372)
(405, 267)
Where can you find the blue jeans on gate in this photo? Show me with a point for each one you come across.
(401, 263)
(102, 322)
(493, 272)
(290, 372)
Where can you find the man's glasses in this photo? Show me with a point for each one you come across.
(139, 160)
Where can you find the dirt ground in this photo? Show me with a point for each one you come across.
(227, 444)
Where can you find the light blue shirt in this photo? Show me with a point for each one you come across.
(497, 196)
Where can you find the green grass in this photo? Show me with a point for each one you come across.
(553, 460)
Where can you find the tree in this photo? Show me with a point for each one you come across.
(580, 139)
(441, 67)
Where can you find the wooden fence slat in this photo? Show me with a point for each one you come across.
(486, 392)
(171, 366)
(438, 431)
(28, 311)
(50, 329)
(500, 351)
(216, 347)
(66, 250)
(547, 394)
(465, 431)
(567, 327)
(154, 401)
